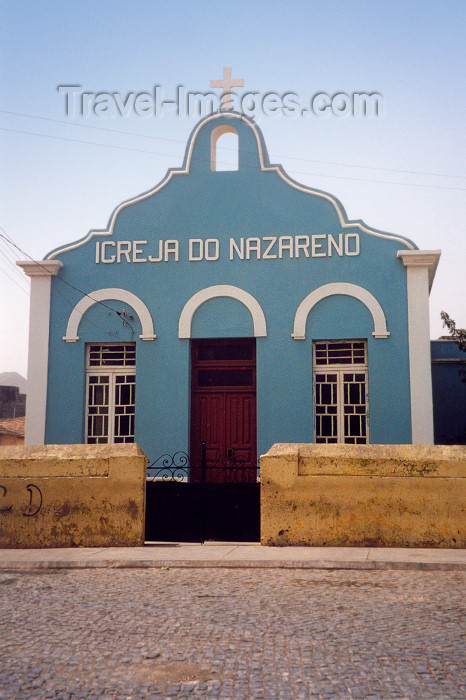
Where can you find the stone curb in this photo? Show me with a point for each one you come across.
(239, 564)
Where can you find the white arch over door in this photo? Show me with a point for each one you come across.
(105, 295)
(222, 290)
(352, 290)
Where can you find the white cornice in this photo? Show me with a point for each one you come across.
(40, 268)
(421, 258)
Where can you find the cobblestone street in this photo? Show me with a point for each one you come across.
(231, 634)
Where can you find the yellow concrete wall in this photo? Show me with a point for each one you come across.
(72, 495)
(377, 495)
(11, 440)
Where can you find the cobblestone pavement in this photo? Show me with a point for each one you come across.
(238, 633)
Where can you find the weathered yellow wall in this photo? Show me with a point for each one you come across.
(11, 440)
(350, 495)
(72, 495)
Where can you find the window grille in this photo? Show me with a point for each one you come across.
(123, 355)
(340, 392)
(351, 352)
(111, 384)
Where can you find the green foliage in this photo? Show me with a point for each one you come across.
(457, 334)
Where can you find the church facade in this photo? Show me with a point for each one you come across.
(239, 308)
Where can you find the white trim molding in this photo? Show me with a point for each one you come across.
(105, 295)
(222, 290)
(40, 268)
(421, 258)
(327, 290)
(421, 266)
(40, 273)
(264, 168)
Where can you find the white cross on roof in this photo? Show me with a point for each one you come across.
(226, 84)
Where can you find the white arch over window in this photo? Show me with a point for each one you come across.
(352, 290)
(214, 137)
(222, 290)
(105, 295)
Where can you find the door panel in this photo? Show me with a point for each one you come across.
(223, 405)
(207, 424)
(240, 426)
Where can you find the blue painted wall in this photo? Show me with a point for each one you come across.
(249, 202)
(449, 392)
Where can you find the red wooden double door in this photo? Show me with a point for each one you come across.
(223, 406)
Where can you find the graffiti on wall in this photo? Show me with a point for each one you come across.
(31, 509)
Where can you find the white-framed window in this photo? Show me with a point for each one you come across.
(110, 392)
(340, 391)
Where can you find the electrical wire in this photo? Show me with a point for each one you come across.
(11, 263)
(11, 270)
(294, 172)
(226, 148)
(15, 281)
(10, 241)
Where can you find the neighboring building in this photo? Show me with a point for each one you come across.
(449, 392)
(240, 308)
(12, 431)
(12, 403)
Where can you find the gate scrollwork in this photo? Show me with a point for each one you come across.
(169, 467)
(178, 467)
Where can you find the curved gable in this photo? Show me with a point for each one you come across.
(253, 158)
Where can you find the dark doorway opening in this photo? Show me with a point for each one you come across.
(214, 492)
(179, 509)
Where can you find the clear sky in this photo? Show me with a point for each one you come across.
(403, 173)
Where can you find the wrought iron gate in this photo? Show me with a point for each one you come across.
(194, 503)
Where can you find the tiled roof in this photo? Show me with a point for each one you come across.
(12, 426)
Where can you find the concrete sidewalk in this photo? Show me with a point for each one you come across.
(234, 555)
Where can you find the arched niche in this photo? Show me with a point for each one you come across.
(334, 288)
(216, 134)
(222, 290)
(100, 295)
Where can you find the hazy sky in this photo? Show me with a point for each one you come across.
(402, 173)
